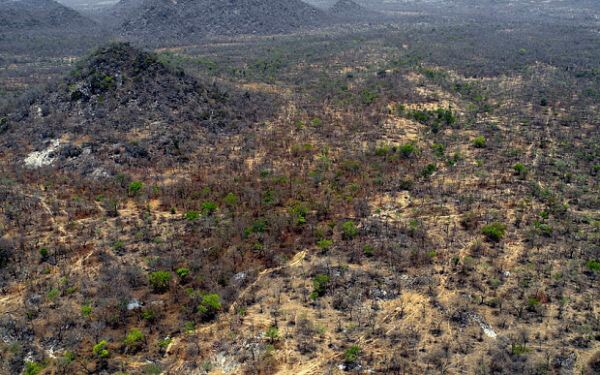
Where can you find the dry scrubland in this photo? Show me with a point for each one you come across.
(393, 200)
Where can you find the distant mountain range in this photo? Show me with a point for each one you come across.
(188, 19)
(39, 15)
(349, 10)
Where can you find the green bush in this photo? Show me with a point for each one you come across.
(134, 339)
(593, 265)
(519, 168)
(368, 250)
(272, 333)
(349, 230)
(494, 232)
(209, 306)
(182, 272)
(86, 311)
(324, 244)
(428, 170)
(135, 187)
(368, 97)
(164, 343)
(298, 213)
(519, 349)
(407, 150)
(231, 199)
(192, 215)
(32, 368)
(320, 283)
(351, 354)
(159, 280)
(100, 349)
(479, 142)
(53, 294)
(209, 208)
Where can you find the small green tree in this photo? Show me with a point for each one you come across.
(407, 150)
(183, 272)
(86, 311)
(209, 208)
(324, 244)
(134, 339)
(349, 230)
(351, 354)
(494, 232)
(192, 215)
(100, 350)
(135, 187)
(272, 334)
(479, 142)
(320, 283)
(32, 368)
(159, 280)
(209, 306)
(231, 200)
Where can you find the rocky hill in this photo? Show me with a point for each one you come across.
(121, 106)
(46, 27)
(165, 20)
(40, 15)
(348, 10)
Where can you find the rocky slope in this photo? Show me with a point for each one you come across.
(121, 106)
(348, 10)
(27, 15)
(165, 20)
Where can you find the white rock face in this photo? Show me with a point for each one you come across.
(39, 159)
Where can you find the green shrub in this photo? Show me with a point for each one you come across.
(349, 230)
(593, 265)
(53, 294)
(192, 215)
(152, 369)
(148, 315)
(368, 97)
(182, 272)
(298, 213)
(543, 228)
(479, 142)
(86, 311)
(189, 327)
(44, 253)
(209, 208)
(428, 170)
(134, 339)
(159, 280)
(351, 354)
(324, 244)
(210, 305)
(520, 169)
(100, 349)
(164, 343)
(135, 187)
(272, 333)
(231, 199)
(32, 368)
(438, 149)
(519, 349)
(407, 150)
(320, 283)
(494, 232)
(368, 250)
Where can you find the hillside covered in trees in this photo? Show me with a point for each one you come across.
(416, 195)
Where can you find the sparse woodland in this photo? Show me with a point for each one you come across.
(406, 198)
